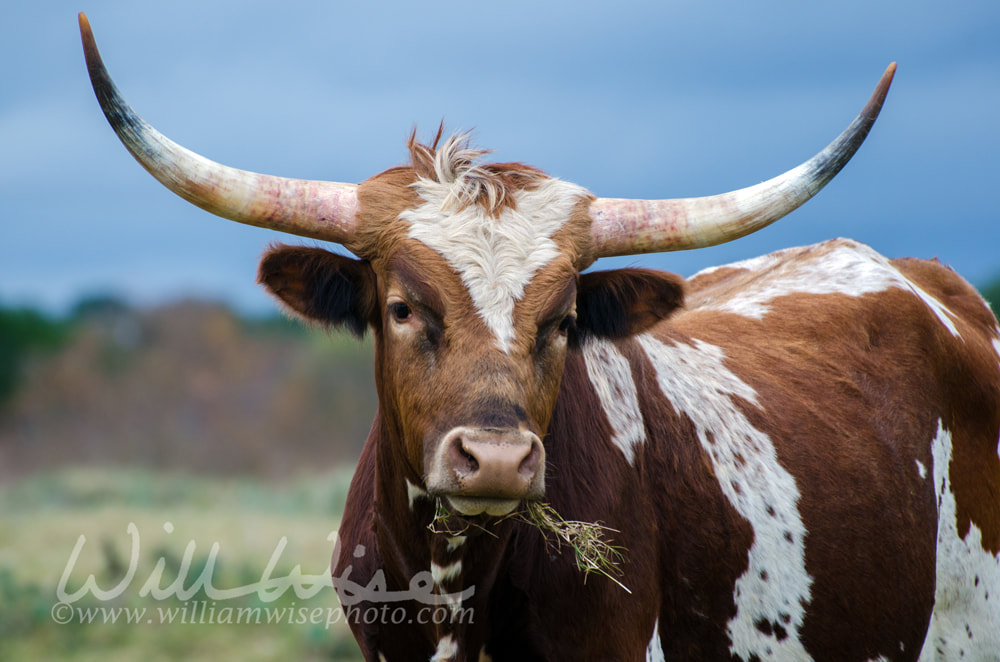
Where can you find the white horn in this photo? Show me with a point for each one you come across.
(629, 227)
(317, 209)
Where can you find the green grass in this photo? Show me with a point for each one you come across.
(177, 519)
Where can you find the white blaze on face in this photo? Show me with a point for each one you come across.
(495, 256)
(835, 267)
(775, 587)
(966, 619)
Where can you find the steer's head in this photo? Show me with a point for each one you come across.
(470, 278)
(471, 284)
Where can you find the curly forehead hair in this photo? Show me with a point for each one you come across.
(456, 162)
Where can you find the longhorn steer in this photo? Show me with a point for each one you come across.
(798, 452)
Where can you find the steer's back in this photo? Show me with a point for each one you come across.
(849, 406)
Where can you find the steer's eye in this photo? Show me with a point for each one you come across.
(400, 311)
(567, 323)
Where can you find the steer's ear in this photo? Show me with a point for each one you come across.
(620, 303)
(321, 286)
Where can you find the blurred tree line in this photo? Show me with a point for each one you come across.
(24, 331)
(991, 292)
(189, 386)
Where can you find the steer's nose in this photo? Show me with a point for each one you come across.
(489, 463)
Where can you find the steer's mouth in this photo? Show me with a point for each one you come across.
(471, 506)
(465, 516)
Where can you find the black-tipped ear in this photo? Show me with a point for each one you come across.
(322, 286)
(620, 303)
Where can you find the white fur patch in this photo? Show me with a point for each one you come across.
(414, 492)
(454, 542)
(447, 648)
(442, 574)
(775, 587)
(837, 267)
(966, 619)
(496, 256)
(921, 469)
(611, 377)
(654, 651)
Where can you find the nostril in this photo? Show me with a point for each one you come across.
(530, 464)
(471, 462)
(461, 456)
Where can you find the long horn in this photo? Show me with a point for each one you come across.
(321, 210)
(629, 227)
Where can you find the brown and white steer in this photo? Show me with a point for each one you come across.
(798, 452)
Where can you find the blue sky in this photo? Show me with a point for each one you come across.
(649, 100)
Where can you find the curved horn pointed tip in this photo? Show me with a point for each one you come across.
(90, 52)
(630, 227)
(317, 209)
(886, 80)
(874, 104)
(86, 33)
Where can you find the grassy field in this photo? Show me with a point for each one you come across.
(147, 532)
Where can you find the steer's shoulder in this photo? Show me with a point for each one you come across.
(752, 288)
(844, 282)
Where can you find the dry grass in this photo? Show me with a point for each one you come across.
(590, 541)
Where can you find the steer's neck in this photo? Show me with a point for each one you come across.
(449, 564)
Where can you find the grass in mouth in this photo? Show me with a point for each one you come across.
(454, 524)
(589, 541)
